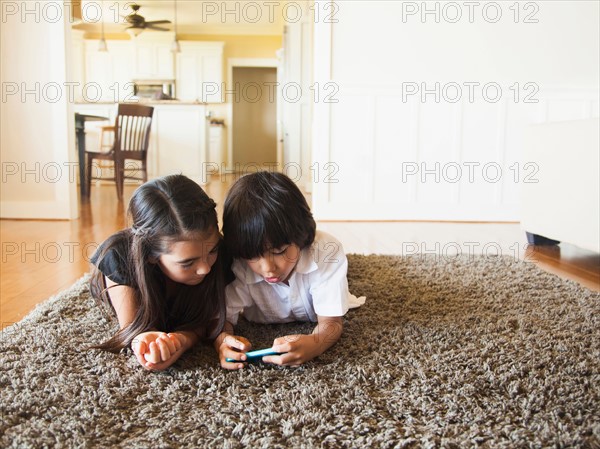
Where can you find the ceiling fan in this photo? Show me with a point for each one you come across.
(138, 23)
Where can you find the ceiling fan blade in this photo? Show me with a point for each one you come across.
(134, 19)
(138, 22)
(152, 27)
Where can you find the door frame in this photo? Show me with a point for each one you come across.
(250, 62)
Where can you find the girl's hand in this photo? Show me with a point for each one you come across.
(232, 347)
(157, 351)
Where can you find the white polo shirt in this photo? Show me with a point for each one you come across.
(317, 286)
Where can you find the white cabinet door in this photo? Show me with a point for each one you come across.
(164, 61)
(144, 61)
(179, 139)
(212, 78)
(216, 147)
(200, 72)
(107, 74)
(153, 59)
(98, 74)
(185, 83)
(122, 70)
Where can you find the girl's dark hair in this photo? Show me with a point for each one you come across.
(265, 210)
(164, 211)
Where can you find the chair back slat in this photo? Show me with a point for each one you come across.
(132, 137)
(133, 129)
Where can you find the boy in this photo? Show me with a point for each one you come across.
(285, 271)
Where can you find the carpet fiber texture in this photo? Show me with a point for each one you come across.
(465, 352)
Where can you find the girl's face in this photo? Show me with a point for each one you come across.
(189, 261)
(277, 264)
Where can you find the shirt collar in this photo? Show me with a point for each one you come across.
(306, 264)
(251, 276)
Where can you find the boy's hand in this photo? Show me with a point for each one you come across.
(232, 347)
(298, 350)
(157, 351)
(302, 348)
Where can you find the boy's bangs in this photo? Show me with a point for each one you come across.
(257, 236)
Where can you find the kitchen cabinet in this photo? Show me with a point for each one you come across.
(199, 72)
(178, 140)
(216, 145)
(153, 58)
(107, 74)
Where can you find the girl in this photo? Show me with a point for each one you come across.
(285, 270)
(160, 275)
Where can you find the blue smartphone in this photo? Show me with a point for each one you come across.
(254, 356)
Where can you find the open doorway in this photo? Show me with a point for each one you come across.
(254, 118)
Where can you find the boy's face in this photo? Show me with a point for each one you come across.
(276, 265)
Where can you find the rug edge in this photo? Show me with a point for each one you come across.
(79, 284)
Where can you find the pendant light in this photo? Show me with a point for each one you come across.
(175, 48)
(102, 45)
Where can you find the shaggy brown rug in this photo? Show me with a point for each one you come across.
(468, 352)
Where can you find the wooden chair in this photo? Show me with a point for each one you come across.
(132, 136)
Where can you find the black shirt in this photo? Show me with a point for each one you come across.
(112, 257)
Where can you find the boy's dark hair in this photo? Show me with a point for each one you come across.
(265, 210)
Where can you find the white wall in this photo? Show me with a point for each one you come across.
(394, 153)
(37, 138)
(295, 96)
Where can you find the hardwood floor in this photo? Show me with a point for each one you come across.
(42, 258)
